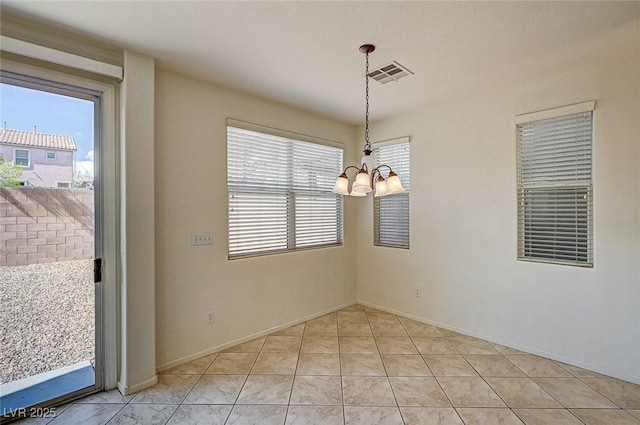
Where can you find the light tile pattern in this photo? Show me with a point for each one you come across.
(365, 366)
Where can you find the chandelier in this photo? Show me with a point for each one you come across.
(368, 178)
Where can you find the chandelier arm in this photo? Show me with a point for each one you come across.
(377, 170)
(350, 166)
(373, 176)
(380, 166)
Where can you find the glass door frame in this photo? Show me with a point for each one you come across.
(105, 96)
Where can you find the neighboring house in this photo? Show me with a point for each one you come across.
(46, 159)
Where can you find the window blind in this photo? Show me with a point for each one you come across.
(391, 213)
(279, 193)
(555, 214)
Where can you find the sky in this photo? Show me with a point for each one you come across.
(22, 108)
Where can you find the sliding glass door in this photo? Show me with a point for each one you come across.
(50, 243)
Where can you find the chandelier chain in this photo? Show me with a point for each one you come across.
(367, 145)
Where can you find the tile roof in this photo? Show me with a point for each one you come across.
(37, 140)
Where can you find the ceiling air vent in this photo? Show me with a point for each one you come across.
(390, 72)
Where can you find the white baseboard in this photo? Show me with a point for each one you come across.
(126, 390)
(217, 348)
(526, 349)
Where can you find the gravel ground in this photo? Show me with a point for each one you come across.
(46, 317)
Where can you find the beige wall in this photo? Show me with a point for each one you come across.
(250, 295)
(137, 225)
(463, 226)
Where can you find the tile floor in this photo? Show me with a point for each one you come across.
(364, 366)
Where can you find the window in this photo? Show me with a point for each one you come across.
(555, 220)
(51, 155)
(391, 213)
(21, 157)
(279, 193)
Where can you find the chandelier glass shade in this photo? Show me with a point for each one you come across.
(367, 178)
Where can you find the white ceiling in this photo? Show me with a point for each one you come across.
(306, 53)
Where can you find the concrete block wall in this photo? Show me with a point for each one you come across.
(42, 225)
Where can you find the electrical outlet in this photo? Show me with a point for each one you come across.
(210, 317)
(417, 292)
(205, 238)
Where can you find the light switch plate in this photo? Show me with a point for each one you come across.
(204, 238)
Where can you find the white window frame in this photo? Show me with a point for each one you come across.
(299, 214)
(55, 156)
(393, 232)
(15, 157)
(555, 185)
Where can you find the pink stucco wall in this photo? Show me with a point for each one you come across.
(43, 172)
